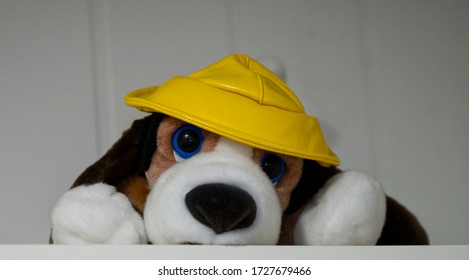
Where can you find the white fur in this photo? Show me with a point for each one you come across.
(96, 214)
(349, 210)
(229, 146)
(168, 221)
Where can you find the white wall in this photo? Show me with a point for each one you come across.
(418, 79)
(47, 116)
(388, 80)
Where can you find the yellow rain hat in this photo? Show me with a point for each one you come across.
(239, 98)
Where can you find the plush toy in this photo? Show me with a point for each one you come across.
(227, 155)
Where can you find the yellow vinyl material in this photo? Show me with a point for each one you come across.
(239, 98)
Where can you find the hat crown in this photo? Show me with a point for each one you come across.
(245, 76)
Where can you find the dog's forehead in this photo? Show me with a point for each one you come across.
(226, 145)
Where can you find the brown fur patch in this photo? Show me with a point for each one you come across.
(136, 189)
(287, 229)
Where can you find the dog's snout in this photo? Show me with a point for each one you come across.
(221, 207)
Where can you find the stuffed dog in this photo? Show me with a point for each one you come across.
(227, 156)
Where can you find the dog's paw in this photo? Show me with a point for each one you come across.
(349, 210)
(96, 214)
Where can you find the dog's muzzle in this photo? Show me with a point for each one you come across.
(213, 198)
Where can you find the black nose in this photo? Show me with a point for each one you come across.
(221, 207)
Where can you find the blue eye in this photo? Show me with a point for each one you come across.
(273, 166)
(187, 141)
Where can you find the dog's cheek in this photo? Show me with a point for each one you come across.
(289, 181)
(160, 163)
(163, 158)
(284, 198)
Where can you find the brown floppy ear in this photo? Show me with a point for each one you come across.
(127, 157)
(313, 178)
(401, 226)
